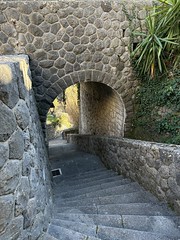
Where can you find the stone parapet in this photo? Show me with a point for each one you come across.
(25, 189)
(155, 166)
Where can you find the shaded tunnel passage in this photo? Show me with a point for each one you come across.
(102, 110)
(124, 95)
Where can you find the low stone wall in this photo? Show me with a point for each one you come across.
(25, 189)
(155, 166)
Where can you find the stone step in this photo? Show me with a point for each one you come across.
(68, 234)
(122, 189)
(72, 192)
(105, 233)
(96, 219)
(74, 163)
(60, 148)
(90, 173)
(88, 229)
(162, 226)
(47, 236)
(108, 233)
(92, 203)
(136, 197)
(165, 225)
(147, 209)
(66, 186)
(75, 179)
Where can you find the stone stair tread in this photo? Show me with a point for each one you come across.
(62, 233)
(159, 225)
(93, 203)
(113, 220)
(149, 209)
(88, 229)
(152, 223)
(135, 197)
(135, 209)
(87, 179)
(72, 192)
(122, 189)
(47, 236)
(109, 233)
(75, 185)
(94, 172)
(166, 225)
(76, 179)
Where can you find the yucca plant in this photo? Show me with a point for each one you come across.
(168, 17)
(160, 43)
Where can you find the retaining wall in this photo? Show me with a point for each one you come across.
(25, 189)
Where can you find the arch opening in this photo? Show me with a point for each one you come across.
(63, 114)
(102, 110)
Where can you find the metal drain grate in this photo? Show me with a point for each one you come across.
(56, 172)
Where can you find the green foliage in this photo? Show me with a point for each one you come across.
(157, 116)
(52, 119)
(159, 45)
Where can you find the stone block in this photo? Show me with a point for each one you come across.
(8, 84)
(22, 196)
(3, 37)
(35, 30)
(7, 204)
(60, 63)
(36, 18)
(9, 177)
(14, 229)
(55, 28)
(40, 55)
(9, 29)
(106, 6)
(79, 49)
(11, 14)
(16, 145)
(46, 63)
(30, 213)
(51, 18)
(70, 57)
(90, 30)
(166, 155)
(22, 114)
(4, 156)
(7, 122)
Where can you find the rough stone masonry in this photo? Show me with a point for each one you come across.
(25, 189)
(73, 41)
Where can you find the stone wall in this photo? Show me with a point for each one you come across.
(155, 166)
(102, 111)
(25, 190)
(70, 42)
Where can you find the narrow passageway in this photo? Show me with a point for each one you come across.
(94, 203)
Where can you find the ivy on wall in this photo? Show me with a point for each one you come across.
(155, 46)
(157, 110)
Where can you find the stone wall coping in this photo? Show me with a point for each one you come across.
(134, 141)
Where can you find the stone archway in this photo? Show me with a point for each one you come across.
(71, 41)
(86, 77)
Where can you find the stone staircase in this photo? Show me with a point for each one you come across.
(93, 203)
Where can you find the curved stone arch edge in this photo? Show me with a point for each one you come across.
(84, 76)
